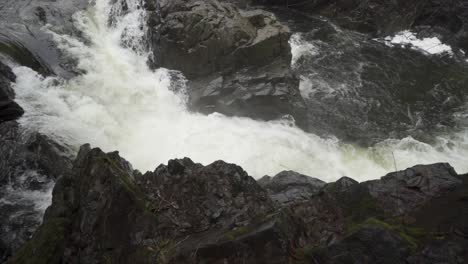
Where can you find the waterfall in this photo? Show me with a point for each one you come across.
(118, 103)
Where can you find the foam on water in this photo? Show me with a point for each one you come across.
(120, 104)
(428, 45)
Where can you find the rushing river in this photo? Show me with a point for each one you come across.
(118, 103)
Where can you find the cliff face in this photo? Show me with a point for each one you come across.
(105, 212)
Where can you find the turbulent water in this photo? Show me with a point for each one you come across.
(118, 103)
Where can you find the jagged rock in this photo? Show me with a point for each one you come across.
(9, 110)
(104, 211)
(29, 165)
(24, 40)
(267, 93)
(237, 61)
(404, 191)
(204, 37)
(369, 244)
(289, 186)
(185, 212)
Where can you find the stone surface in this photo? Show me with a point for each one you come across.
(29, 165)
(289, 187)
(184, 212)
(9, 110)
(237, 61)
(24, 40)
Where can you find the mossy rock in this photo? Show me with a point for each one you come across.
(412, 235)
(46, 246)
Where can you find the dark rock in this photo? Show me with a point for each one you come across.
(219, 37)
(29, 165)
(289, 187)
(104, 211)
(9, 110)
(369, 244)
(23, 39)
(237, 61)
(404, 191)
(266, 93)
(185, 212)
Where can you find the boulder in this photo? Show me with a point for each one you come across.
(24, 40)
(29, 165)
(404, 191)
(9, 110)
(237, 61)
(103, 210)
(288, 187)
(204, 37)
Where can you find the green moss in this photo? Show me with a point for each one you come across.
(45, 247)
(304, 254)
(411, 235)
(161, 250)
(238, 231)
(243, 230)
(140, 197)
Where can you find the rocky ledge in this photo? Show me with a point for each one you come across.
(103, 211)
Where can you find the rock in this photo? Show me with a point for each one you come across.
(404, 191)
(25, 41)
(266, 93)
(9, 110)
(369, 244)
(237, 61)
(29, 165)
(180, 211)
(184, 212)
(219, 37)
(289, 187)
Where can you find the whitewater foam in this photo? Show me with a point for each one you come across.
(427, 45)
(119, 103)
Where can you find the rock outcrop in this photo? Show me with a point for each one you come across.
(29, 165)
(25, 40)
(9, 109)
(183, 212)
(237, 61)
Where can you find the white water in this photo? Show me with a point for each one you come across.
(120, 104)
(428, 45)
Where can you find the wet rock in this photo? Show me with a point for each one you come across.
(266, 93)
(29, 165)
(9, 110)
(369, 244)
(289, 187)
(25, 40)
(237, 61)
(404, 191)
(183, 212)
(176, 212)
(203, 37)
